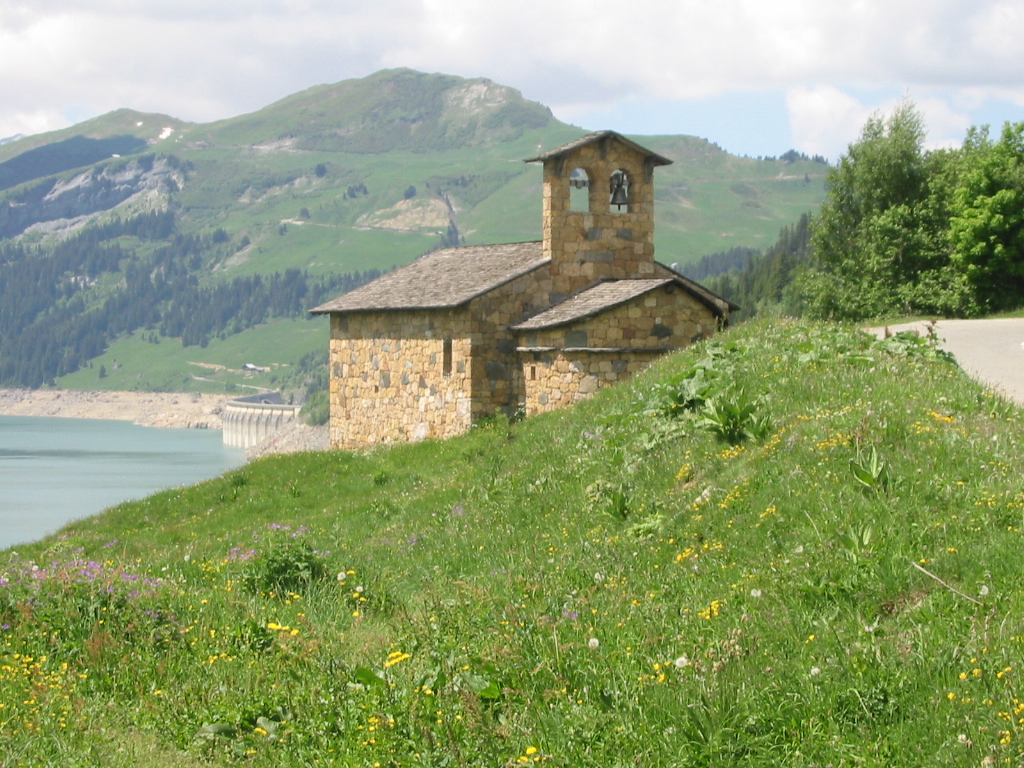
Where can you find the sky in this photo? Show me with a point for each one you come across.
(757, 77)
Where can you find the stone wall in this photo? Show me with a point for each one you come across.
(558, 378)
(564, 364)
(399, 376)
(497, 371)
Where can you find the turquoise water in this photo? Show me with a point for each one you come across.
(54, 470)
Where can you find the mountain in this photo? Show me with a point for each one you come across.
(390, 110)
(335, 183)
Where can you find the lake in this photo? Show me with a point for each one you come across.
(56, 470)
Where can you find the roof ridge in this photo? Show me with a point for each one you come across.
(599, 136)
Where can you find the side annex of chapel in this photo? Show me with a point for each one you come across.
(463, 333)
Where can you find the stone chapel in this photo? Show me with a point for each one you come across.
(463, 333)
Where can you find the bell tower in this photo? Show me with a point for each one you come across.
(598, 211)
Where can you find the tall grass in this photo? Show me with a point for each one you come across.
(834, 581)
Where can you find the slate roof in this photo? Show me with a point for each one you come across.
(443, 279)
(591, 301)
(713, 301)
(599, 136)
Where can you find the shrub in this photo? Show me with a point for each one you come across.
(290, 566)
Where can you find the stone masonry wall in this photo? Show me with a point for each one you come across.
(388, 379)
(559, 369)
(603, 242)
(497, 373)
(560, 378)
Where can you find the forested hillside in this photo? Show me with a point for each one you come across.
(63, 305)
(765, 282)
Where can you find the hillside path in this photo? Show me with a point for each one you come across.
(992, 351)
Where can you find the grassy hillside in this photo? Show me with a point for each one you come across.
(147, 126)
(400, 128)
(146, 362)
(819, 565)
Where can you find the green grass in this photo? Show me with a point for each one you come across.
(137, 363)
(607, 585)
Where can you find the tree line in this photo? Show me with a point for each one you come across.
(903, 230)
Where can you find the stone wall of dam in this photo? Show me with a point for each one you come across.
(248, 421)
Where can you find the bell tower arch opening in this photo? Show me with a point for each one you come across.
(579, 191)
(619, 183)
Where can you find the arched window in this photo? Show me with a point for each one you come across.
(579, 191)
(618, 201)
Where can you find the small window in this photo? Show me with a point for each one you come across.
(446, 357)
(579, 191)
(533, 373)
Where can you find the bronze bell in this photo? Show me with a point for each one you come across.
(619, 195)
(579, 179)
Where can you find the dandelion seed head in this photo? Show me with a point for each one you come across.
(755, 593)
(682, 662)
(815, 671)
(593, 643)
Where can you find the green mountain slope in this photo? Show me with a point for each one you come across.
(339, 180)
(147, 126)
(391, 110)
(633, 581)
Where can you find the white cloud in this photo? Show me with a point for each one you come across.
(28, 123)
(824, 120)
(946, 125)
(200, 61)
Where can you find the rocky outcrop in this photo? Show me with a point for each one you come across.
(294, 437)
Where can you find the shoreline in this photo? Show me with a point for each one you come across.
(176, 410)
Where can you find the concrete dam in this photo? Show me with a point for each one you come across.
(248, 421)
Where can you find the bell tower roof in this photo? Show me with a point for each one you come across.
(604, 139)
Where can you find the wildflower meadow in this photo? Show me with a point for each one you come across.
(794, 545)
